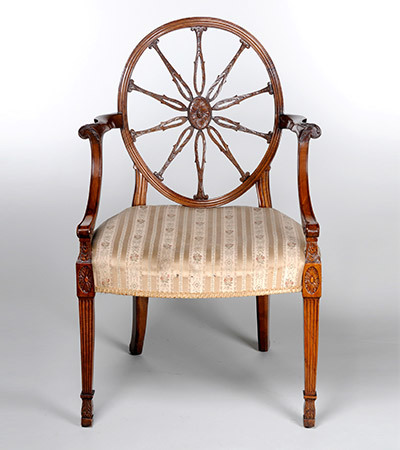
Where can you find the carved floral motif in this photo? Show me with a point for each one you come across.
(309, 409)
(87, 408)
(311, 280)
(199, 113)
(84, 254)
(312, 253)
(85, 279)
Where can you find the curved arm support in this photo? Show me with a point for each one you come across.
(304, 131)
(94, 132)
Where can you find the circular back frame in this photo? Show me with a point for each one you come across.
(247, 40)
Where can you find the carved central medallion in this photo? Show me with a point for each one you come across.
(199, 113)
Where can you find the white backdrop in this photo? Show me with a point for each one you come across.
(61, 64)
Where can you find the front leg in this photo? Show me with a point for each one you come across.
(311, 296)
(311, 312)
(86, 293)
(86, 320)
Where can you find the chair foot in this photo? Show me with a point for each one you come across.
(85, 422)
(308, 423)
(309, 410)
(134, 349)
(87, 409)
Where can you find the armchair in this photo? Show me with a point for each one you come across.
(199, 248)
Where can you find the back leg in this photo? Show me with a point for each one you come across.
(140, 305)
(263, 322)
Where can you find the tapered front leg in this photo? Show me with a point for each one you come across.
(139, 320)
(263, 322)
(312, 277)
(86, 321)
(311, 313)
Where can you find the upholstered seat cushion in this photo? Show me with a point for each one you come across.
(176, 251)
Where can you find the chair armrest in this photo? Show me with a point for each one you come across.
(304, 131)
(94, 132)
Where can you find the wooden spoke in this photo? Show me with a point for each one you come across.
(221, 79)
(200, 165)
(228, 102)
(223, 146)
(162, 126)
(177, 148)
(171, 102)
(176, 78)
(199, 60)
(228, 123)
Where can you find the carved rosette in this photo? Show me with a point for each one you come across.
(85, 279)
(312, 270)
(311, 280)
(200, 113)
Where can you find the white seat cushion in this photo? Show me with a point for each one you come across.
(177, 251)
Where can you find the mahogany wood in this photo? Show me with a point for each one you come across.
(247, 41)
(263, 190)
(84, 271)
(235, 100)
(262, 301)
(86, 324)
(263, 322)
(95, 132)
(304, 131)
(140, 193)
(140, 305)
(199, 114)
(311, 322)
(312, 268)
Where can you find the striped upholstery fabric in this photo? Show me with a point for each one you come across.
(176, 251)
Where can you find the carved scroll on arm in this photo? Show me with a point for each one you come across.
(304, 131)
(94, 132)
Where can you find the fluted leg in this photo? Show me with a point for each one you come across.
(263, 322)
(311, 318)
(86, 322)
(140, 305)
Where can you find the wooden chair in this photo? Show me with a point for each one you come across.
(199, 248)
